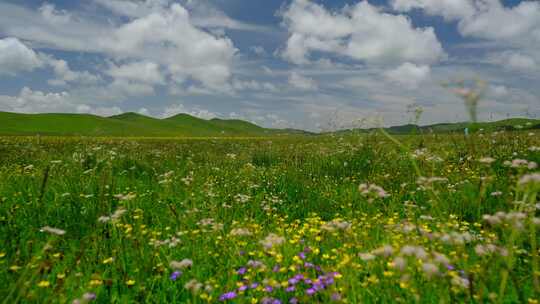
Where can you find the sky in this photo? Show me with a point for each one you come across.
(313, 65)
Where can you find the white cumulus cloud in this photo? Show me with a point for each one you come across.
(362, 32)
(487, 19)
(409, 75)
(35, 101)
(16, 57)
(167, 37)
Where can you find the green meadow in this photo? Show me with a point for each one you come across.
(353, 217)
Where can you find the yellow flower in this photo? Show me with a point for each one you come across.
(108, 261)
(61, 276)
(44, 284)
(14, 268)
(95, 282)
(130, 282)
(2, 254)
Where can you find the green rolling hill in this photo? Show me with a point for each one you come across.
(128, 125)
(184, 125)
(512, 124)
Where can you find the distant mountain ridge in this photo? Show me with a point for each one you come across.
(129, 125)
(183, 125)
(511, 124)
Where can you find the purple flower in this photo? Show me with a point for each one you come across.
(293, 301)
(290, 289)
(241, 271)
(336, 297)
(254, 285)
(293, 281)
(450, 267)
(227, 296)
(175, 275)
(268, 288)
(270, 301)
(242, 288)
(310, 291)
(276, 268)
(302, 255)
(317, 286)
(89, 296)
(308, 265)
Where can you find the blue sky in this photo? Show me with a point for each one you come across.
(295, 63)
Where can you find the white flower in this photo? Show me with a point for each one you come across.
(460, 282)
(125, 197)
(272, 240)
(372, 190)
(527, 179)
(430, 269)
(487, 160)
(113, 217)
(336, 224)
(194, 286)
(52, 230)
(185, 263)
(366, 256)
(385, 251)
(240, 232)
(399, 263)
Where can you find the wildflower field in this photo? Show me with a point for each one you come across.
(368, 218)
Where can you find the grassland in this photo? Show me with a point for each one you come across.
(431, 218)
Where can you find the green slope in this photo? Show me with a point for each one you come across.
(506, 124)
(127, 124)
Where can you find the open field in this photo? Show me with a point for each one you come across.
(433, 218)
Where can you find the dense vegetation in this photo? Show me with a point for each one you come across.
(355, 219)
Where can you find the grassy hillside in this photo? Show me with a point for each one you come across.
(507, 124)
(127, 124)
(184, 125)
